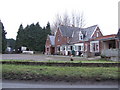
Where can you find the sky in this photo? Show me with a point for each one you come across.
(104, 13)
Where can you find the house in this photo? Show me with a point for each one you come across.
(110, 47)
(50, 45)
(69, 38)
(84, 41)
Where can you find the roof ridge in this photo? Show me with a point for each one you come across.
(91, 26)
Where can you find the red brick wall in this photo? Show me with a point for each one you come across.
(48, 42)
(88, 46)
(100, 46)
(48, 45)
(117, 43)
(62, 39)
(99, 33)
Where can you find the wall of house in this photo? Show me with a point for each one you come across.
(99, 33)
(60, 40)
(86, 49)
(96, 34)
(47, 46)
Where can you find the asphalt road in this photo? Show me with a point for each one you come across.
(26, 84)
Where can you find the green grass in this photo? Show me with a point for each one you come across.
(76, 61)
(33, 72)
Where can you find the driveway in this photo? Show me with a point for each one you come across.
(41, 57)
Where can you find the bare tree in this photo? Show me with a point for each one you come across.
(66, 19)
(80, 20)
(56, 23)
(73, 18)
(76, 19)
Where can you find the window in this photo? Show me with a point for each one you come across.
(97, 34)
(80, 36)
(71, 47)
(94, 46)
(63, 48)
(75, 48)
(47, 49)
(97, 47)
(79, 48)
(58, 49)
(58, 38)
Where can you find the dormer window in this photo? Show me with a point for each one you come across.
(58, 38)
(80, 36)
(97, 34)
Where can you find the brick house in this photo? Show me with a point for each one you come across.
(69, 38)
(50, 45)
(88, 41)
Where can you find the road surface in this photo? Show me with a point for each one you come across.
(40, 84)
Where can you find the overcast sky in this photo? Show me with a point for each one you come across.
(16, 12)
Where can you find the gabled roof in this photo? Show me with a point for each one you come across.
(67, 31)
(87, 32)
(52, 39)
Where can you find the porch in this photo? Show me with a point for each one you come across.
(110, 49)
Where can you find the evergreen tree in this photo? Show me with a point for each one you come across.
(20, 36)
(3, 38)
(48, 28)
(33, 36)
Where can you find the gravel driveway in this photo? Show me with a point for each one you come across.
(41, 57)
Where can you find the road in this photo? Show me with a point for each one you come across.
(27, 84)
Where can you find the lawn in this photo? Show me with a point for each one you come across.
(76, 61)
(28, 72)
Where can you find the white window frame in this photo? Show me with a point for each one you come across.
(97, 34)
(91, 46)
(80, 35)
(57, 48)
(61, 48)
(86, 47)
(58, 38)
(80, 44)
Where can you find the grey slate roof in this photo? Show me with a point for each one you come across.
(73, 32)
(67, 30)
(52, 39)
(89, 31)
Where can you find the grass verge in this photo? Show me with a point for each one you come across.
(29, 72)
(76, 61)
